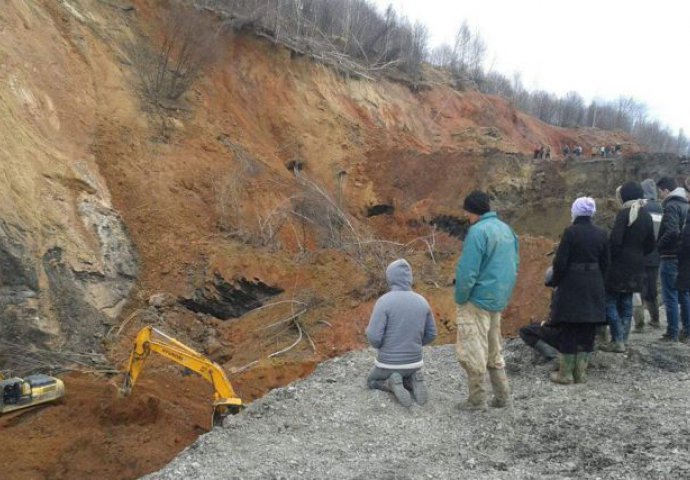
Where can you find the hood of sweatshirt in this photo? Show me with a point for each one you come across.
(649, 188)
(399, 275)
(678, 194)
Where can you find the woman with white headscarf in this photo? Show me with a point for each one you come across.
(579, 268)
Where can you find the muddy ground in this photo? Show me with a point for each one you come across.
(630, 421)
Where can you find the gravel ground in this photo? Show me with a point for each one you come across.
(632, 420)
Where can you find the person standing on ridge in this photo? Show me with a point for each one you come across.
(485, 278)
(675, 204)
(579, 268)
(401, 323)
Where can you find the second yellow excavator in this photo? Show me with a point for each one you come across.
(150, 339)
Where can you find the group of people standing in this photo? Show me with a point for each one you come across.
(542, 152)
(607, 151)
(594, 275)
(575, 150)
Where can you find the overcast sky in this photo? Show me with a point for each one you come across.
(599, 48)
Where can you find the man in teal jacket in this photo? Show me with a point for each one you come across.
(485, 278)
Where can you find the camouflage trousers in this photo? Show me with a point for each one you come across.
(479, 344)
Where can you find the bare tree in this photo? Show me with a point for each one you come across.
(441, 56)
(187, 45)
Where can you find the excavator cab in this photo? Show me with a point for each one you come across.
(16, 393)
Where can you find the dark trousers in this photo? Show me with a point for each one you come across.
(650, 289)
(576, 337)
(534, 332)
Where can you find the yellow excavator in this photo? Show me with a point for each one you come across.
(150, 339)
(16, 393)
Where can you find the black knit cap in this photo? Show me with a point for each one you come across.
(477, 202)
(631, 191)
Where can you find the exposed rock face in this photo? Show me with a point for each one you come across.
(542, 205)
(67, 264)
(53, 297)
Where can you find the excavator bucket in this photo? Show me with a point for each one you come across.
(222, 410)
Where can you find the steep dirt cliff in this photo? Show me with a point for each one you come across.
(66, 263)
(273, 182)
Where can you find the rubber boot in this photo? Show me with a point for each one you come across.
(379, 385)
(613, 347)
(477, 393)
(395, 383)
(581, 364)
(566, 366)
(653, 309)
(638, 316)
(415, 384)
(546, 350)
(499, 384)
(601, 335)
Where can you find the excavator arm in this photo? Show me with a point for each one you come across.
(150, 339)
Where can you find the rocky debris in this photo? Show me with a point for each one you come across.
(162, 300)
(630, 421)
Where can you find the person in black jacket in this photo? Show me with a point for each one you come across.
(683, 279)
(649, 293)
(579, 268)
(631, 238)
(675, 205)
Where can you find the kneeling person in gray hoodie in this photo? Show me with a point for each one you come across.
(400, 324)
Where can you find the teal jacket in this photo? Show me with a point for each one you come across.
(487, 270)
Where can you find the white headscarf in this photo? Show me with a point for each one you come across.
(583, 207)
(634, 206)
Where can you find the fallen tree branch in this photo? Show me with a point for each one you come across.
(243, 368)
(285, 320)
(287, 349)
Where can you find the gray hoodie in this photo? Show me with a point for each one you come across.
(654, 208)
(649, 189)
(401, 321)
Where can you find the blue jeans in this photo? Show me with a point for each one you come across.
(684, 300)
(668, 271)
(378, 376)
(619, 311)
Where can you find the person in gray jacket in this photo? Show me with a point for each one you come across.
(401, 323)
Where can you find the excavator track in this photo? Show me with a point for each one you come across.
(11, 419)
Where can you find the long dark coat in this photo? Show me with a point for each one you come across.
(683, 280)
(653, 207)
(581, 296)
(628, 246)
